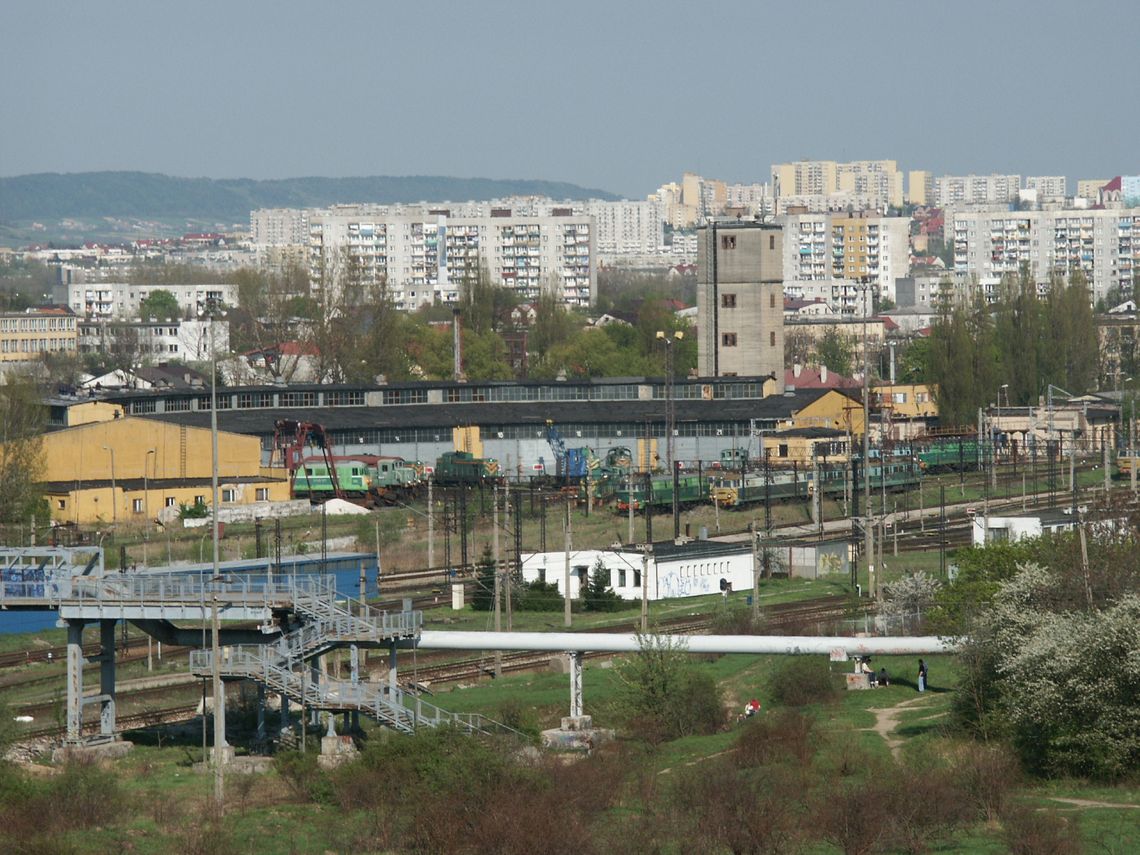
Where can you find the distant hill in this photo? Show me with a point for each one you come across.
(54, 196)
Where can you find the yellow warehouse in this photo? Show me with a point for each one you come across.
(130, 470)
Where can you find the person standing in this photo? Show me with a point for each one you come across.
(921, 676)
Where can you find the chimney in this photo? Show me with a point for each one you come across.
(823, 374)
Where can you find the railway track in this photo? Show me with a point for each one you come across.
(168, 715)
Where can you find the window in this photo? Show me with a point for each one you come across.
(772, 300)
(728, 242)
(137, 506)
(782, 451)
(61, 504)
(228, 495)
(771, 241)
(728, 301)
(772, 339)
(621, 577)
(199, 500)
(168, 502)
(728, 339)
(263, 494)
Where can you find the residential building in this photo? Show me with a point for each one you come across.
(874, 183)
(920, 187)
(976, 190)
(740, 300)
(627, 228)
(1043, 189)
(1103, 244)
(31, 334)
(424, 256)
(178, 340)
(1089, 188)
(279, 227)
(834, 251)
(122, 299)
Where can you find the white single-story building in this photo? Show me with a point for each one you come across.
(685, 569)
(992, 528)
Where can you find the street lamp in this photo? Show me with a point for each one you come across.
(670, 423)
(114, 489)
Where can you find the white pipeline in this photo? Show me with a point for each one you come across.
(756, 644)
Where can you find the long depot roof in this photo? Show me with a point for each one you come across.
(260, 421)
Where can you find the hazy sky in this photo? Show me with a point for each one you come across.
(622, 96)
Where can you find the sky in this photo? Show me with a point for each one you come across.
(618, 96)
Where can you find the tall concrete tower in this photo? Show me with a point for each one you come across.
(740, 300)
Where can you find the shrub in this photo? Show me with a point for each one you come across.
(803, 680)
(786, 735)
(599, 596)
(736, 619)
(1033, 832)
(664, 695)
(302, 776)
(539, 597)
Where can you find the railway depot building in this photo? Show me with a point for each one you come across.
(509, 420)
(131, 470)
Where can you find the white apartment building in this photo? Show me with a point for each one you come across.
(1047, 188)
(187, 341)
(976, 189)
(626, 228)
(122, 299)
(426, 256)
(829, 255)
(279, 227)
(755, 199)
(1104, 244)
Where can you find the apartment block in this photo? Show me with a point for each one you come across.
(1103, 244)
(976, 189)
(122, 299)
(740, 300)
(1047, 188)
(841, 250)
(186, 340)
(425, 256)
(31, 334)
(627, 228)
(920, 187)
(279, 227)
(875, 183)
(1089, 188)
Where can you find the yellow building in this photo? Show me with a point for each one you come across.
(834, 410)
(25, 336)
(801, 447)
(75, 412)
(905, 400)
(130, 470)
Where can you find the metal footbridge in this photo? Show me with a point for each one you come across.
(297, 620)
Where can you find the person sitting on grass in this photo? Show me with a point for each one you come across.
(884, 678)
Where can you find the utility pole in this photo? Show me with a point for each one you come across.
(644, 588)
(431, 527)
(495, 547)
(868, 534)
(566, 618)
(216, 652)
(629, 488)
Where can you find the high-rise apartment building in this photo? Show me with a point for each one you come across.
(426, 255)
(1047, 188)
(1103, 244)
(844, 249)
(976, 189)
(740, 300)
(920, 187)
(279, 227)
(869, 183)
(627, 228)
(1089, 188)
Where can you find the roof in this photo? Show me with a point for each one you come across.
(259, 422)
(812, 378)
(131, 484)
(668, 550)
(812, 433)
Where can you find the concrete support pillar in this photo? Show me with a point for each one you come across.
(74, 680)
(107, 677)
(315, 679)
(354, 664)
(332, 725)
(575, 683)
(260, 713)
(392, 681)
(284, 712)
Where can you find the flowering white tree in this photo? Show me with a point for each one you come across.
(1063, 682)
(906, 600)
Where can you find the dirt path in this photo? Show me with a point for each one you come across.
(887, 722)
(1090, 803)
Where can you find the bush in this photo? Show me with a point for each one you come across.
(803, 680)
(664, 695)
(786, 735)
(301, 774)
(539, 597)
(196, 511)
(736, 619)
(1033, 832)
